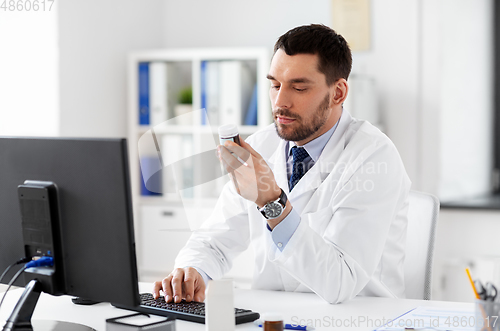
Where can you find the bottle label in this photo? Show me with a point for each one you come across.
(235, 139)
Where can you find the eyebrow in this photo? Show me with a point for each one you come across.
(295, 80)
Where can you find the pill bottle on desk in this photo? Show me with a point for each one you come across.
(272, 322)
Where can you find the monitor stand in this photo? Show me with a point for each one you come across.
(20, 319)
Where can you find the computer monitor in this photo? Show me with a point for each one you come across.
(97, 247)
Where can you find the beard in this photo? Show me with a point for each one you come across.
(309, 127)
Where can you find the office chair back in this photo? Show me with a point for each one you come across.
(422, 219)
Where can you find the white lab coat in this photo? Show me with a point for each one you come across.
(353, 207)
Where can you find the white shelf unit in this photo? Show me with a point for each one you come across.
(163, 218)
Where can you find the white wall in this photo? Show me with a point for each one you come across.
(95, 37)
(455, 138)
(220, 23)
(466, 98)
(29, 89)
(393, 62)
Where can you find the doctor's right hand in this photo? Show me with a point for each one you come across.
(182, 283)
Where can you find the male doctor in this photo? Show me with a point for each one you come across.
(321, 197)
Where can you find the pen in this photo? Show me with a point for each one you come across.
(287, 326)
(485, 316)
(472, 284)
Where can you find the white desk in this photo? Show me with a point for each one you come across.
(293, 306)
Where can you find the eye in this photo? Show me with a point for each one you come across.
(275, 87)
(299, 89)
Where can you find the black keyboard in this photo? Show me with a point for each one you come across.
(189, 311)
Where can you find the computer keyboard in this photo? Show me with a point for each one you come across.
(189, 311)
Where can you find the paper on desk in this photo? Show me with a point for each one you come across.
(434, 318)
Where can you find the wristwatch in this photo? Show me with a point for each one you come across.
(274, 209)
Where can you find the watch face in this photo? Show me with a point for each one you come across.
(273, 210)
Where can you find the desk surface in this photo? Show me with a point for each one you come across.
(295, 307)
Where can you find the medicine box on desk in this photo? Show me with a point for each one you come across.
(140, 322)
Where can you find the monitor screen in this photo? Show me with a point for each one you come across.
(95, 210)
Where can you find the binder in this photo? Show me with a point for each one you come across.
(251, 115)
(150, 173)
(210, 92)
(203, 91)
(143, 93)
(235, 90)
(158, 92)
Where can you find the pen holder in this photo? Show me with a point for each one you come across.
(487, 315)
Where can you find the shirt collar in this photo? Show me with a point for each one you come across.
(315, 146)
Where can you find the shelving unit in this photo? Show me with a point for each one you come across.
(171, 217)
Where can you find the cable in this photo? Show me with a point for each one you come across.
(23, 260)
(44, 261)
(16, 276)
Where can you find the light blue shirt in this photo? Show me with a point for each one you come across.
(282, 232)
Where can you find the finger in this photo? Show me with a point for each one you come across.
(199, 292)
(227, 168)
(167, 288)
(177, 281)
(157, 286)
(239, 151)
(200, 296)
(189, 280)
(230, 161)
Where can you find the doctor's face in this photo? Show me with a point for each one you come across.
(300, 97)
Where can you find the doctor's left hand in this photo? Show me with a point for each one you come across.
(253, 181)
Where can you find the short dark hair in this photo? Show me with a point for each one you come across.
(335, 59)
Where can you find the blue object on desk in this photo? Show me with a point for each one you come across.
(287, 326)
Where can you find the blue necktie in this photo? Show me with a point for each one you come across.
(299, 168)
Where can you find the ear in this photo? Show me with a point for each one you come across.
(340, 90)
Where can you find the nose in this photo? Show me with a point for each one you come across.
(282, 99)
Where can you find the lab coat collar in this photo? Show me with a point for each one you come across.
(322, 168)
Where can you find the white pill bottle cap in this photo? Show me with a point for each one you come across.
(228, 130)
(272, 317)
